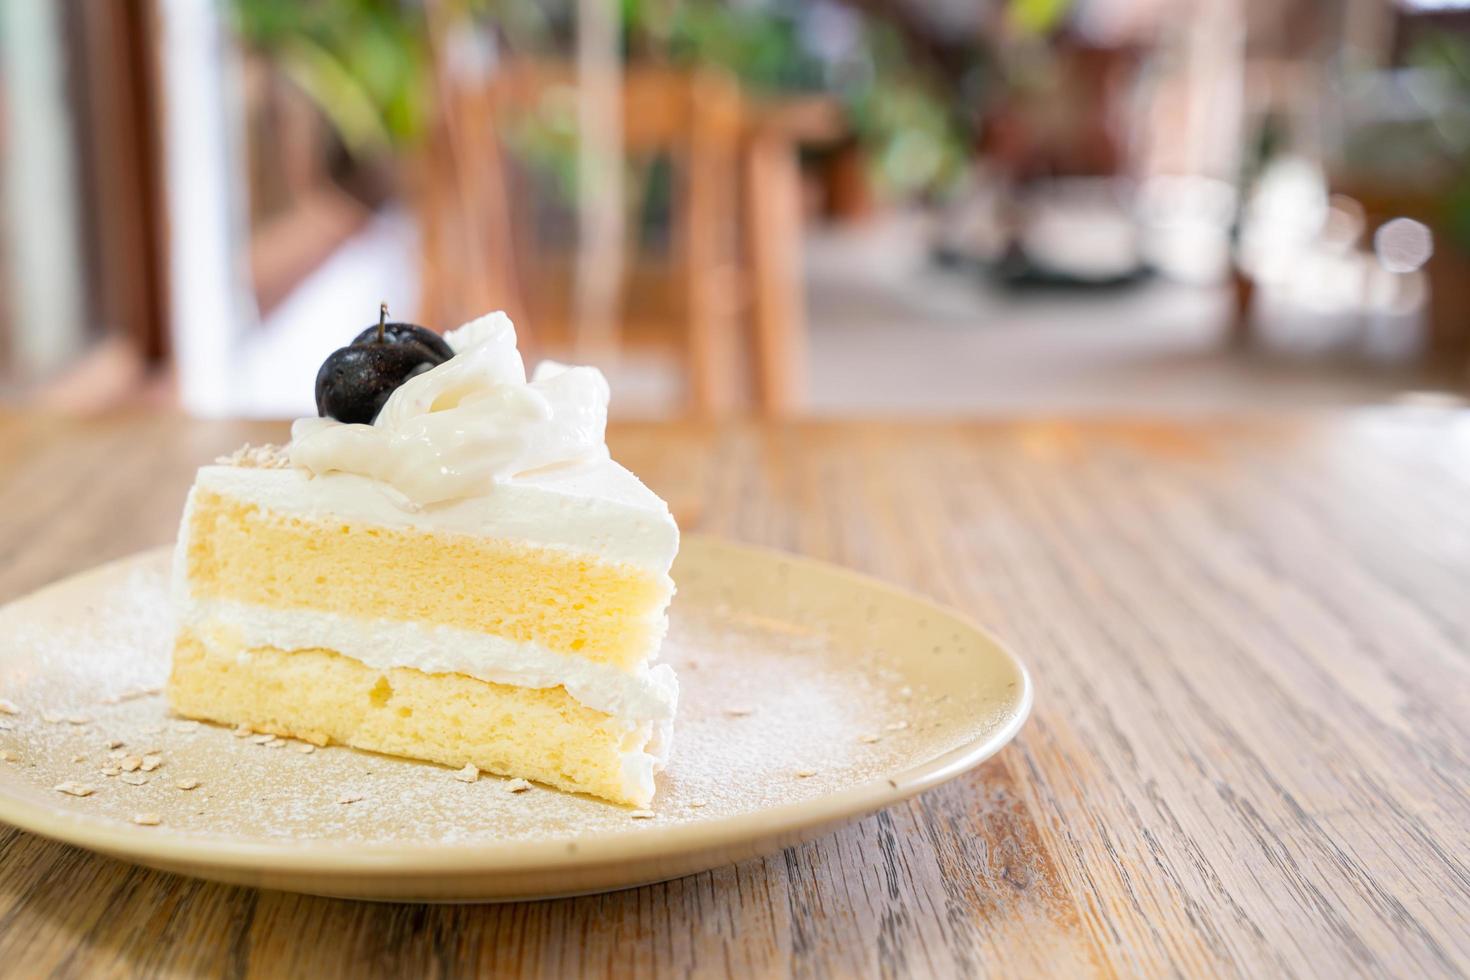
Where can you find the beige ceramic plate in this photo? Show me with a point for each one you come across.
(810, 696)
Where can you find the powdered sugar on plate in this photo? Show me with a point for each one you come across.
(788, 694)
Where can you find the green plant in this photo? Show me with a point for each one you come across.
(364, 63)
(1447, 57)
(1038, 16)
(917, 139)
(760, 45)
(1422, 143)
(913, 128)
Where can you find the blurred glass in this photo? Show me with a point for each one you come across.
(1403, 244)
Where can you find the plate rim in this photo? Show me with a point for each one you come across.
(464, 859)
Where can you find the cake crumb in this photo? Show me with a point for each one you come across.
(266, 456)
(869, 738)
(517, 785)
(151, 762)
(79, 757)
(696, 804)
(8, 755)
(805, 773)
(263, 739)
(74, 789)
(134, 778)
(8, 707)
(130, 763)
(109, 771)
(277, 744)
(117, 755)
(305, 748)
(187, 784)
(895, 726)
(77, 719)
(243, 731)
(642, 815)
(468, 774)
(147, 819)
(114, 743)
(51, 718)
(346, 798)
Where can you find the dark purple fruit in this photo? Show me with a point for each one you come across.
(355, 381)
(403, 333)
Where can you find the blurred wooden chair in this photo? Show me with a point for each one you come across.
(460, 191)
(734, 235)
(773, 134)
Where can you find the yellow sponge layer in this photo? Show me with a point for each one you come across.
(322, 696)
(597, 610)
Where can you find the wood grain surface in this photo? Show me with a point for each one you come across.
(1250, 754)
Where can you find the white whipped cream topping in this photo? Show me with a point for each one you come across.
(464, 425)
(601, 510)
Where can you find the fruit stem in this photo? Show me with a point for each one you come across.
(382, 319)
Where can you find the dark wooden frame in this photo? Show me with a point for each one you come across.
(118, 102)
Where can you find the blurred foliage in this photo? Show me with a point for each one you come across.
(918, 139)
(1447, 58)
(545, 142)
(365, 63)
(762, 46)
(1409, 129)
(907, 119)
(1037, 16)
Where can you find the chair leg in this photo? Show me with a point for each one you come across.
(711, 192)
(773, 202)
(1240, 331)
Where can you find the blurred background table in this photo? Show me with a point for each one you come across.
(1248, 756)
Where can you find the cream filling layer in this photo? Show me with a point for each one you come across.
(642, 761)
(649, 694)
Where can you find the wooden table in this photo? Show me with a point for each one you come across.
(1250, 754)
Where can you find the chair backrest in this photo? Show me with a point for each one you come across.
(664, 108)
(474, 253)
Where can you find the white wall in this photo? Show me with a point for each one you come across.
(46, 284)
(210, 297)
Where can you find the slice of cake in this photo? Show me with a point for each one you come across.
(469, 579)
